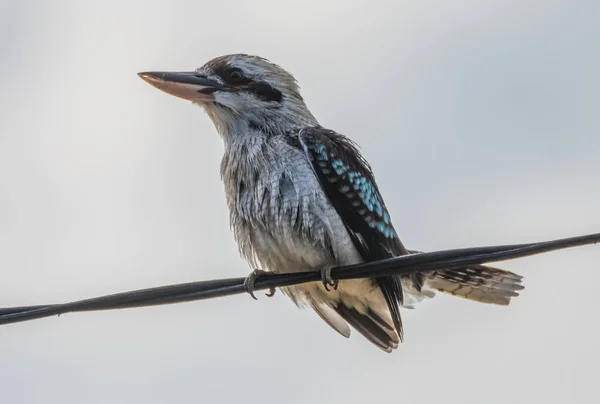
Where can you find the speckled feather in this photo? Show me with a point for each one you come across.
(349, 182)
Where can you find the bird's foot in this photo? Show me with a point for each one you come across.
(251, 280)
(326, 278)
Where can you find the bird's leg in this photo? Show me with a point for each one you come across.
(326, 278)
(251, 280)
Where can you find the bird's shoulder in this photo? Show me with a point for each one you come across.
(348, 181)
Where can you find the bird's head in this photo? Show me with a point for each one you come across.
(239, 92)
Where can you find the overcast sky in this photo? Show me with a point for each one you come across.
(480, 119)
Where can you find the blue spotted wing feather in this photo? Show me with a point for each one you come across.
(348, 182)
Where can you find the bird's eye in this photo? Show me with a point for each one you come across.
(236, 75)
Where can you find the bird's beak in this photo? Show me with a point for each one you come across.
(191, 86)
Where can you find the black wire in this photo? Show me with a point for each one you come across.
(447, 259)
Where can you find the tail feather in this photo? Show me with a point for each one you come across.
(331, 317)
(371, 326)
(480, 283)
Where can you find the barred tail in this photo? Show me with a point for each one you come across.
(477, 282)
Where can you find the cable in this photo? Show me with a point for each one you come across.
(431, 261)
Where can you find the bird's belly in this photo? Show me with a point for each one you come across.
(295, 253)
(284, 251)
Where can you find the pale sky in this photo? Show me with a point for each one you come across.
(480, 119)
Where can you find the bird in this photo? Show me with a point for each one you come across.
(302, 197)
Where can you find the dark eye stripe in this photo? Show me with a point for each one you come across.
(236, 78)
(265, 91)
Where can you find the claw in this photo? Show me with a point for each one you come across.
(326, 279)
(251, 280)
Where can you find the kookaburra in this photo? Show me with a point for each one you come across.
(302, 197)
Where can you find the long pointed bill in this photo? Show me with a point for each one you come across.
(187, 85)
